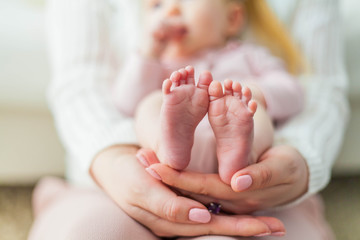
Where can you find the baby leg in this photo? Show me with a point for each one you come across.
(231, 115)
(84, 214)
(169, 131)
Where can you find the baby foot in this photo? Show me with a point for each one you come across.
(184, 106)
(231, 118)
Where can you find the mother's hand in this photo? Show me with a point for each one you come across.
(280, 176)
(154, 205)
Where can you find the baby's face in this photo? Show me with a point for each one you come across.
(193, 24)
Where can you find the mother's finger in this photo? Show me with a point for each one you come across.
(131, 185)
(277, 166)
(277, 227)
(200, 183)
(208, 188)
(219, 225)
(164, 203)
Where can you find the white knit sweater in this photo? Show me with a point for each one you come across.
(84, 46)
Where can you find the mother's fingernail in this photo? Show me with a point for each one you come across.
(243, 182)
(199, 215)
(278, 234)
(142, 159)
(153, 173)
(263, 234)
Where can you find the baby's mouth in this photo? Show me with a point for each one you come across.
(179, 32)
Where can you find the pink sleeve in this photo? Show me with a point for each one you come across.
(283, 94)
(138, 78)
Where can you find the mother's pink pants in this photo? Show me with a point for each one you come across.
(69, 213)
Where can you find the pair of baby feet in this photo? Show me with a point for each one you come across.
(230, 113)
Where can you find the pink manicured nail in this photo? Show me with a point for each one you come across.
(142, 160)
(199, 215)
(278, 234)
(262, 235)
(153, 173)
(243, 182)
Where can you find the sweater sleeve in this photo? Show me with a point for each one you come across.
(318, 131)
(83, 67)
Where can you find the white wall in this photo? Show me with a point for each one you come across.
(350, 10)
(348, 161)
(24, 70)
(29, 147)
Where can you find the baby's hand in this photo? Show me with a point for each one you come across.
(155, 42)
(159, 36)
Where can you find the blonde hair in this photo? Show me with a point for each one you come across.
(268, 30)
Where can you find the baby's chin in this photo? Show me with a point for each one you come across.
(176, 51)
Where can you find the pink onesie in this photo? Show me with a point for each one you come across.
(237, 61)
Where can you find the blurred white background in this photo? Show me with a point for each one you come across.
(29, 147)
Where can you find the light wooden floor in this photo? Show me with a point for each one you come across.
(342, 199)
(15, 212)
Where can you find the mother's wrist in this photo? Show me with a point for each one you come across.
(300, 175)
(108, 155)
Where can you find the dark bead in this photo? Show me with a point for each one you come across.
(214, 208)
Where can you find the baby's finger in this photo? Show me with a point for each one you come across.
(159, 35)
